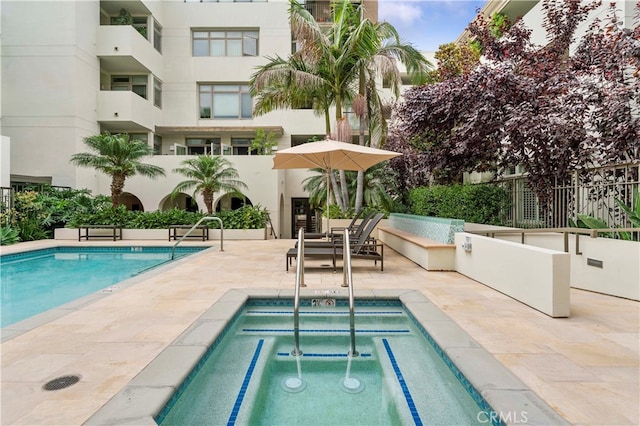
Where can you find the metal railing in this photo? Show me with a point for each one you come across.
(296, 299)
(348, 280)
(593, 233)
(591, 192)
(173, 249)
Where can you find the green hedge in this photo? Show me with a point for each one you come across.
(482, 203)
(247, 217)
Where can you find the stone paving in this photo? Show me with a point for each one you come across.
(587, 367)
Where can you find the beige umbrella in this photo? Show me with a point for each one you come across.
(329, 154)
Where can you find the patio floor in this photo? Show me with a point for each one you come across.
(587, 367)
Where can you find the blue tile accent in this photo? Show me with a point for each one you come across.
(196, 368)
(318, 355)
(75, 249)
(341, 313)
(306, 302)
(288, 303)
(434, 228)
(302, 330)
(245, 384)
(403, 384)
(475, 395)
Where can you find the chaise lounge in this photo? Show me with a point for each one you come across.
(364, 247)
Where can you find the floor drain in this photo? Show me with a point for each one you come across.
(61, 383)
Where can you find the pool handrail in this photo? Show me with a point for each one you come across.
(348, 281)
(296, 300)
(202, 219)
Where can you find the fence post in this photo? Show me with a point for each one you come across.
(576, 195)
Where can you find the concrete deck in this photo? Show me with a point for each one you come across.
(587, 367)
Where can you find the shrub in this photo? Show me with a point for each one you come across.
(482, 203)
(36, 214)
(8, 235)
(247, 217)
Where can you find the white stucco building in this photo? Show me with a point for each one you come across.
(177, 78)
(532, 15)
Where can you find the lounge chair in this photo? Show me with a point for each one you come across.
(363, 248)
(337, 236)
(318, 235)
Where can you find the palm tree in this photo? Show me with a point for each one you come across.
(375, 194)
(119, 157)
(208, 175)
(333, 67)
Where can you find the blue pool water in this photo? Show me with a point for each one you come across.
(39, 280)
(403, 377)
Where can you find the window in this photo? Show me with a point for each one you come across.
(225, 43)
(240, 146)
(225, 101)
(139, 137)
(133, 83)
(196, 146)
(157, 36)
(157, 92)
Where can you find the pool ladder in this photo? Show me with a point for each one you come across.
(186, 234)
(347, 282)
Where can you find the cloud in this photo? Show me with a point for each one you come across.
(403, 12)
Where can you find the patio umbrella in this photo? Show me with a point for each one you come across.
(330, 155)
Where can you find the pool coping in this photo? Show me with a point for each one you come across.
(143, 398)
(28, 324)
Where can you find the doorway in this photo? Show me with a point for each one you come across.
(302, 216)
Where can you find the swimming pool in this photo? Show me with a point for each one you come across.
(146, 397)
(397, 378)
(36, 281)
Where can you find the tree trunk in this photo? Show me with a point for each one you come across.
(117, 184)
(360, 109)
(208, 200)
(336, 190)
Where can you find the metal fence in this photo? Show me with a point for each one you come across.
(6, 198)
(591, 192)
(7, 194)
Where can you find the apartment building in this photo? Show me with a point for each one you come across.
(173, 73)
(532, 15)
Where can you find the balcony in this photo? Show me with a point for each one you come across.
(120, 111)
(122, 49)
(320, 10)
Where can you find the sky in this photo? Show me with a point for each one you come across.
(429, 23)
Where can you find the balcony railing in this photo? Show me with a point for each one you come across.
(320, 10)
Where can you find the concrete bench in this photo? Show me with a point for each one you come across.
(178, 231)
(115, 232)
(430, 254)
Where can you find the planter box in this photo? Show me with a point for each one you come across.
(163, 234)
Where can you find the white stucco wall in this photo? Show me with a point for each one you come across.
(49, 61)
(535, 276)
(535, 18)
(5, 162)
(620, 272)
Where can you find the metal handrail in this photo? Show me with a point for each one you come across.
(202, 219)
(296, 299)
(348, 280)
(593, 233)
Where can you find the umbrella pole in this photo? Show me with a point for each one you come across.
(328, 195)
